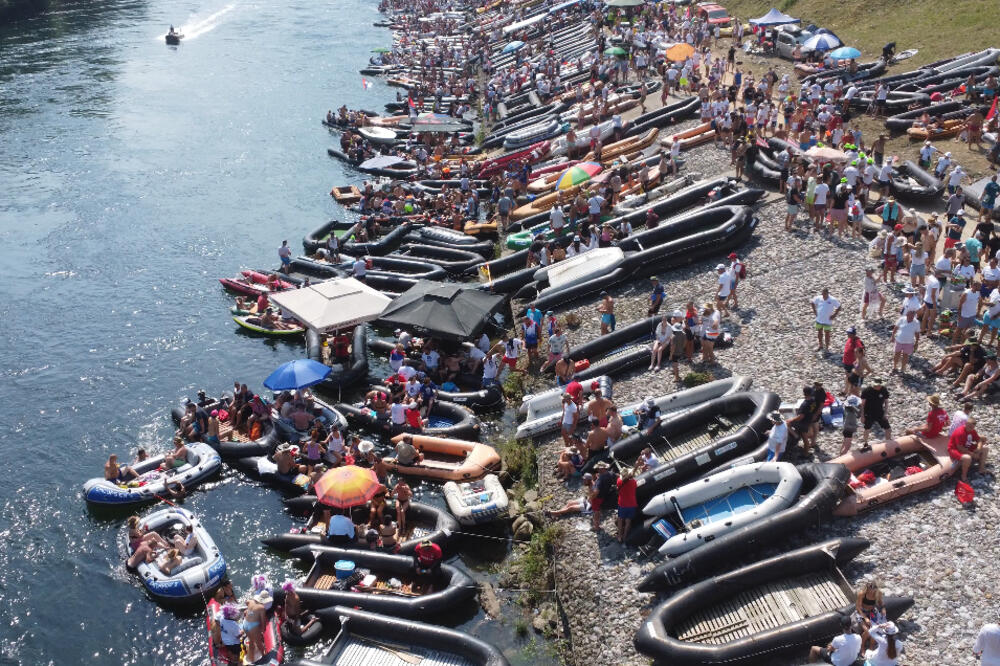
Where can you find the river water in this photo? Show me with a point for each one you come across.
(132, 176)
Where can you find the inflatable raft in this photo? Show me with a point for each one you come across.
(252, 323)
(372, 583)
(368, 638)
(543, 411)
(913, 184)
(446, 459)
(477, 502)
(425, 522)
(202, 463)
(198, 574)
(704, 437)
(704, 510)
(822, 486)
(263, 469)
(766, 612)
(351, 370)
(894, 469)
(447, 420)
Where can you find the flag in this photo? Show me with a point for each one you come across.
(365, 83)
(993, 109)
(761, 142)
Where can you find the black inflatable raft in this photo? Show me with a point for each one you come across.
(704, 437)
(449, 587)
(744, 616)
(349, 373)
(913, 184)
(461, 422)
(360, 629)
(429, 522)
(823, 485)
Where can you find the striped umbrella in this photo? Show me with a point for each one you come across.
(344, 487)
(577, 174)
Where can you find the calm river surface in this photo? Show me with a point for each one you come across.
(132, 176)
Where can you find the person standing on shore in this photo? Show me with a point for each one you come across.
(987, 647)
(874, 409)
(825, 309)
(724, 287)
(906, 335)
(606, 308)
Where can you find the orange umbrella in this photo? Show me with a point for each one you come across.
(348, 486)
(679, 52)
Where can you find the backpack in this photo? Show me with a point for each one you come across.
(741, 270)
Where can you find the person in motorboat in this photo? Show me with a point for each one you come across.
(427, 559)
(647, 460)
(376, 509)
(340, 529)
(387, 532)
(171, 32)
(285, 461)
(118, 474)
(649, 416)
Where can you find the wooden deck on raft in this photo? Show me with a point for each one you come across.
(767, 607)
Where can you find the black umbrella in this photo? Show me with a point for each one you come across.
(444, 310)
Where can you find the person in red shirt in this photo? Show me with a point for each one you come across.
(850, 358)
(965, 446)
(427, 558)
(937, 419)
(575, 389)
(627, 503)
(413, 417)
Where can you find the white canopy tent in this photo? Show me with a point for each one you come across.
(332, 305)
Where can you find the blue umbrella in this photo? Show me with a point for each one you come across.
(297, 374)
(821, 42)
(513, 46)
(845, 53)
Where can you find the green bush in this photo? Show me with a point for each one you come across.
(535, 563)
(520, 461)
(692, 379)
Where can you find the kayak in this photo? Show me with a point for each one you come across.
(252, 323)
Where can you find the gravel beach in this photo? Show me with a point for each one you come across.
(927, 546)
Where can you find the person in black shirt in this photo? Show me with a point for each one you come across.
(604, 488)
(794, 199)
(874, 409)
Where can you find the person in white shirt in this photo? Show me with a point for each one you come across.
(968, 306)
(359, 269)
(932, 288)
(843, 650)
(491, 366)
(888, 649)
(987, 647)
(778, 437)
(723, 289)
(906, 334)
(570, 417)
(819, 204)
(826, 308)
(991, 318)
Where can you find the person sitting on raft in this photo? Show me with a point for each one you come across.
(293, 611)
(142, 543)
(427, 559)
(119, 474)
(171, 561)
(406, 453)
(600, 438)
(177, 457)
(186, 542)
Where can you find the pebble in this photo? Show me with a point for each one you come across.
(927, 546)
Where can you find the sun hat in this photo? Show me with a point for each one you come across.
(934, 400)
(720, 267)
(775, 416)
(366, 446)
(852, 329)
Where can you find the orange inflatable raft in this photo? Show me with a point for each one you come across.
(447, 459)
(893, 469)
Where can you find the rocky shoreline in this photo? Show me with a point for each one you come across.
(927, 546)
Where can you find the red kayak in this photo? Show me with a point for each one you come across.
(262, 278)
(253, 283)
(532, 154)
(274, 648)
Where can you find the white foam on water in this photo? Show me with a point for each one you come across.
(196, 26)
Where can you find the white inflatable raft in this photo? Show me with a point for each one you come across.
(378, 134)
(202, 463)
(476, 502)
(544, 410)
(199, 573)
(723, 502)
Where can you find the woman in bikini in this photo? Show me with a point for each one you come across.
(403, 494)
(142, 543)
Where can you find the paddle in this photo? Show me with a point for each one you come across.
(408, 657)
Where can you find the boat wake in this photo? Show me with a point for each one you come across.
(195, 27)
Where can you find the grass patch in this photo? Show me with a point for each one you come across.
(521, 626)
(534, 564)
(513, 387)
(521, 461)
(937, 31)
(693, 379)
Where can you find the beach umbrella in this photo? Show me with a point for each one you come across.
(344, 487)
(845, 53)
(624, 3)
(823, 41)
(513, 46)
(679, 52)
(297, 374)
(579, 173)
(615, 51)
